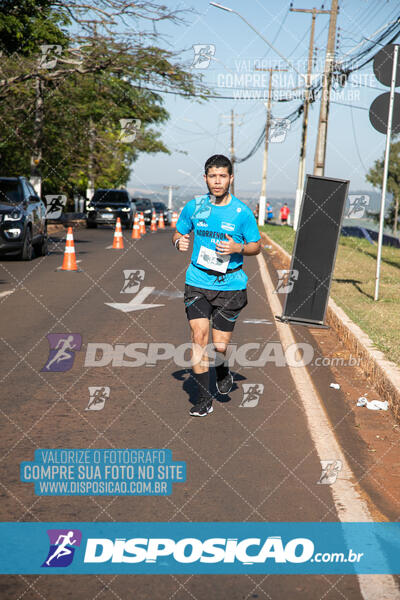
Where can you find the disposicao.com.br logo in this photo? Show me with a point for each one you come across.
(191, 550)
(197, 548)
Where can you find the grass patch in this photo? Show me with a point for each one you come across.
(353, 286)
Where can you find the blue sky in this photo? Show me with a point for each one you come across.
(202, 129)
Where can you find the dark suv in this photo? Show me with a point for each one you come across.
(160, 208)
(23, 225)
(145, 206)
(107, 205)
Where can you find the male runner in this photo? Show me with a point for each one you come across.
(224, 230)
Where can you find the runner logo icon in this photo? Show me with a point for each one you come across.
(330, 471)
(62, 547)
(251, 394)
(133, 279)
(62, 351)
(98, 396)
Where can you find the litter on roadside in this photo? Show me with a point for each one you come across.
(336, 386)
(373, 404)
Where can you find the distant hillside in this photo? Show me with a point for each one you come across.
(184, 194)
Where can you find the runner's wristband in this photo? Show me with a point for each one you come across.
(176, 243)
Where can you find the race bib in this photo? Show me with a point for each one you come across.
(211, 260)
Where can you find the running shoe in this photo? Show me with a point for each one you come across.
(224, 380)
(202, 409)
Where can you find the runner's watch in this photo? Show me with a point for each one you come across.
(242, 248)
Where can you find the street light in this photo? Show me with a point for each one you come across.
(287, 61)
(221, 7)
(261, 211)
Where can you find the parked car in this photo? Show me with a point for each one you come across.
(107, 205)
(23, 224)
(145, 206)
(162, 209)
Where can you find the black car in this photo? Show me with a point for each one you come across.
(145, 206)
(107, 205)
(162, 209)
(23, 225)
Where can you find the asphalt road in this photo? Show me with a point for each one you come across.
(253, 459)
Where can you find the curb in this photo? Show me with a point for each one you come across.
(57, 227)
(383, 373)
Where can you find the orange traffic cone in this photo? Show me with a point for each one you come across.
(161, 224)
(142, 226)
(69, 262)
(174, 219)
(118, 242)
(135, 228)
(153, 225)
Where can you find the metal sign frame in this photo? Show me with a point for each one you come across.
(299, 320)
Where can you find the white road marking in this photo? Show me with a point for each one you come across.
(257, 321)
(167, 293)
(350, 506)
(136, 303)
(3, 294)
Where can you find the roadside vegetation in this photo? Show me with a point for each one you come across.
(353, 286)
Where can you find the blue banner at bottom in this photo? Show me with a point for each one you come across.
(195, 548)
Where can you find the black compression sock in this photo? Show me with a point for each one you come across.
(203, 384)
(222, 370)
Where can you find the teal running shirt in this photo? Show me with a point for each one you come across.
(211, 223)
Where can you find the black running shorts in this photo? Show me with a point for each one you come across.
(223, 306)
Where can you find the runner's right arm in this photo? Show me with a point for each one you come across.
(184, 241)
(183, 227)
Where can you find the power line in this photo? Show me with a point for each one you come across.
(339, 69)
(299, 42)
(278, 32)
(355, 140)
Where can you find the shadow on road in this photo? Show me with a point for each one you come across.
(191, 389)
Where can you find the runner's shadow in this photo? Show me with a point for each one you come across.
(190, 387)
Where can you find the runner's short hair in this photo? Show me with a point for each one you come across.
(218, 160)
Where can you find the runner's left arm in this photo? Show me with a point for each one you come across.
(251, 239)
(229, 246)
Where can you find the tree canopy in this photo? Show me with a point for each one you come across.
(69, 74)
(375, 176)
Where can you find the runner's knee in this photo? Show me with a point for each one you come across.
(200, 337)
(220, 347)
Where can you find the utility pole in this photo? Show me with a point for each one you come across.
(302, 159)
(91, 140)
(170, 188)
(37, 140)
(231, 118)
(91, 143)
(320, 148)
(263, 197)
(233, 148)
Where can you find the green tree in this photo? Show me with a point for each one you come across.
(66, 119)
(375, 175)
(26, 24)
